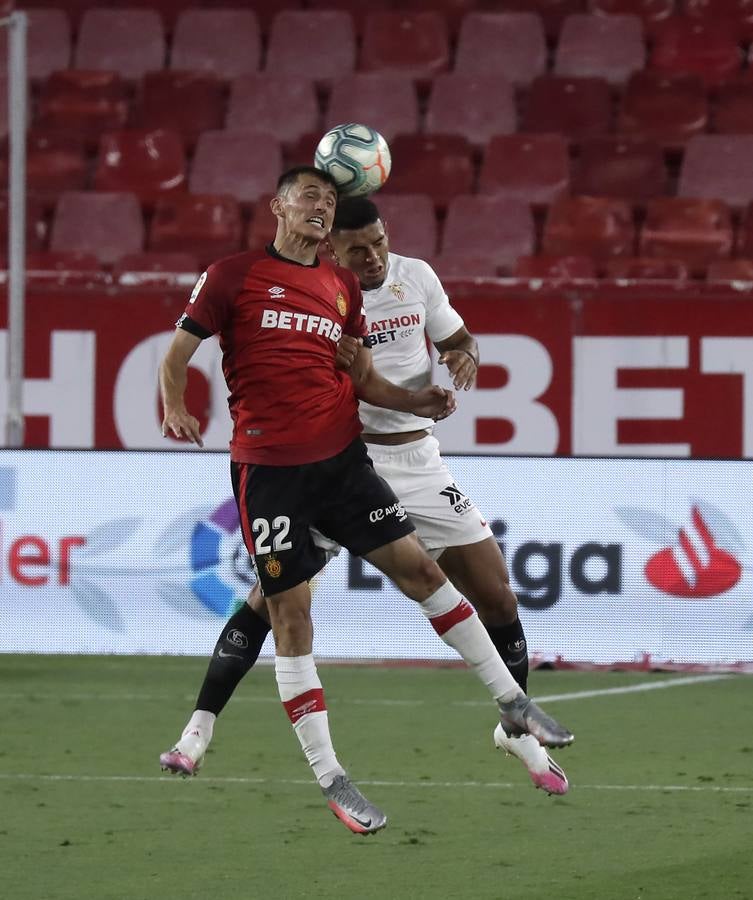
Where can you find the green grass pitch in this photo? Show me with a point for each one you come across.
(660, 805)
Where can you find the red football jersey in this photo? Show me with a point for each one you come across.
(279, 323)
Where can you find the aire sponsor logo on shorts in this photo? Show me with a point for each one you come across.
(311, 324)
(397, 510)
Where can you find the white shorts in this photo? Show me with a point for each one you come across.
(443, 515)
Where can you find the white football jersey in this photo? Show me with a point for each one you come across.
(410, 305)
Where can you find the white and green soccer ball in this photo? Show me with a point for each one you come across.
(356, 156)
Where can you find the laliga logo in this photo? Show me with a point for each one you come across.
(694, 565)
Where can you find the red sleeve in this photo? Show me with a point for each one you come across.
(355, 324)
(210, 302)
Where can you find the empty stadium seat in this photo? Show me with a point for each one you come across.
(301, 153)
(532, 167)
(727, 271)
(453, 11)
(46, 269)
(54, 163)
(244, 164)
(575, 107)
(206, 226)
(599, 227)
(225, 42)
(641, 268)
(407, 43)
(48, 43)
(736, 14)
(552, 12)
(508, 44)
(391, 101)
(318, 44)
(36, 222)
(705, 48)
(651, 12)
(744, 242)
(356, 9)
(263, 226)
(150, 269)
(473, 106)
(108, 225)
(620, 167)
(499, 229)
(74, 9)
(666, 108)
(130, 42)
(695, 231)
(732, 109)
(465, 267)
(185, 102)
(563, 268)
(82, 103)
(718, 166)
(282, 105)
(411, 223)
(438, 165)
(147, 163)
(609, 47)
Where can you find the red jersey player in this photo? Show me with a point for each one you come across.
(297, 461)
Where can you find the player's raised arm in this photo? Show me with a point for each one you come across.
(432, 401)
(173, 377)
(459, 353)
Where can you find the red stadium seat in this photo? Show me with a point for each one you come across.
(609, 47)
(263, 225)
(405, 43)
(508, 44)
(130, 42)
(47, 269)
(453, 11)
(532, 167)
(499, 229)
(695, 231)
(162, 270)
(620, 167)
(108, 225)
(599, 227)
(665, 108)
(575, 107)
(185, 102)
(732, 109)
(411, 223)
(391, 101)
(641, 268)
(266, 10)
(301, 153)
(318, 44)
(224, 42)
(54, 163)
(465, 267)
(564, 268)
(282, 105)
(718, 166)
(48, 43)
(3, 105)
(206, 226)
(728, 271)
(736, 14)
(244, 164)
(651, 12)
(705, 48)
(552, 12)
(82, 103)
(36, 223)
(145, 163)
(440, 166)
(473, 106)
(74, 9)
(356, 9)
(744, 243)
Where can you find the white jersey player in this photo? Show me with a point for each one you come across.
(404, 303)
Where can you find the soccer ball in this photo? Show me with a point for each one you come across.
(356, 156)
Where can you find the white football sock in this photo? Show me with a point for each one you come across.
(456, 622)
(303, 698)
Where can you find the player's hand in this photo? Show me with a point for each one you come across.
(347, 350)
(183, 425)
(433, 402)
(461, 367)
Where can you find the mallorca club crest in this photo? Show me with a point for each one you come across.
(697, 559)
(273, 567)
(396, 289)
(342, 303)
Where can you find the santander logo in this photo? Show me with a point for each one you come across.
(697, 559)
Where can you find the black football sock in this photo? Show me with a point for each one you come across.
(234, 654)
(510, 642)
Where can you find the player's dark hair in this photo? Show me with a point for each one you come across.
(355, 212)
(289, 177)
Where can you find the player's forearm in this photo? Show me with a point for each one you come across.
(376, 390)
(469, 345)
(173, 378)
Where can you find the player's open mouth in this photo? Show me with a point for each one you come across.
(316, 220)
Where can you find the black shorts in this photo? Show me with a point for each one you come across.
(343, 497)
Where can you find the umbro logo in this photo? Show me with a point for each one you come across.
(277, 292)
(453, 494)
